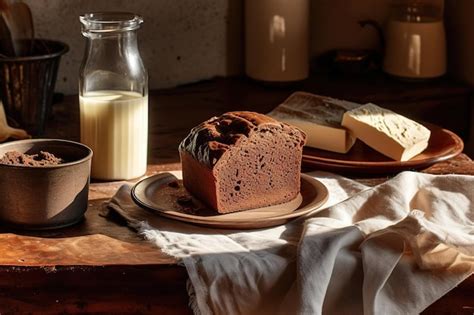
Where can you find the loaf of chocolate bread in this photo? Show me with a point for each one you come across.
(241, 161)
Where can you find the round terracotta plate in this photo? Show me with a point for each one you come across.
(443, 145)
(165, 194)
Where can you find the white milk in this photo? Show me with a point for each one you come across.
(415, 49)
(114, 124)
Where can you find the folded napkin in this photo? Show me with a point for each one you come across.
(8, 132)
(392, 249)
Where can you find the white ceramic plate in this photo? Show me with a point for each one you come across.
(160, 193)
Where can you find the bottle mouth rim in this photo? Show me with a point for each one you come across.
(107, 22)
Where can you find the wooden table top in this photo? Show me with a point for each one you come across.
(100, 265)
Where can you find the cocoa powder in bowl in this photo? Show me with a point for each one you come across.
(41, 159)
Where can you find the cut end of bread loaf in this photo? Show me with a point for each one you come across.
(247, 161)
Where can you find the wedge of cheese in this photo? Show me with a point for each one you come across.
(319, 117)
(391, 134)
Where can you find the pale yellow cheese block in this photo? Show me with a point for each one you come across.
(389, 133)
(319, 117)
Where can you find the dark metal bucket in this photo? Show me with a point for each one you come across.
(27, 84)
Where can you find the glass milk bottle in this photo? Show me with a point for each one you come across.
(113, 96)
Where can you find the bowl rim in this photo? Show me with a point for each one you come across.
(62, 165)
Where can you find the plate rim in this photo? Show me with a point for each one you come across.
(322, 195)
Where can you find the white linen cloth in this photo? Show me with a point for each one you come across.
(392, 249)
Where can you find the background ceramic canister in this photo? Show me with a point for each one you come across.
(415, 40)
(277, 40)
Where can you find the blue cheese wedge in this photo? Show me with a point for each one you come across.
(319, 117)
(389, 133)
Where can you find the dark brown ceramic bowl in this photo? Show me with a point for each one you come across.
(45, 197)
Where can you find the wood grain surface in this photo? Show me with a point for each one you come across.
(101, 266)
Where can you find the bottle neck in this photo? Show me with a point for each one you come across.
(113, 50)
(112, 43)
(112, 62)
